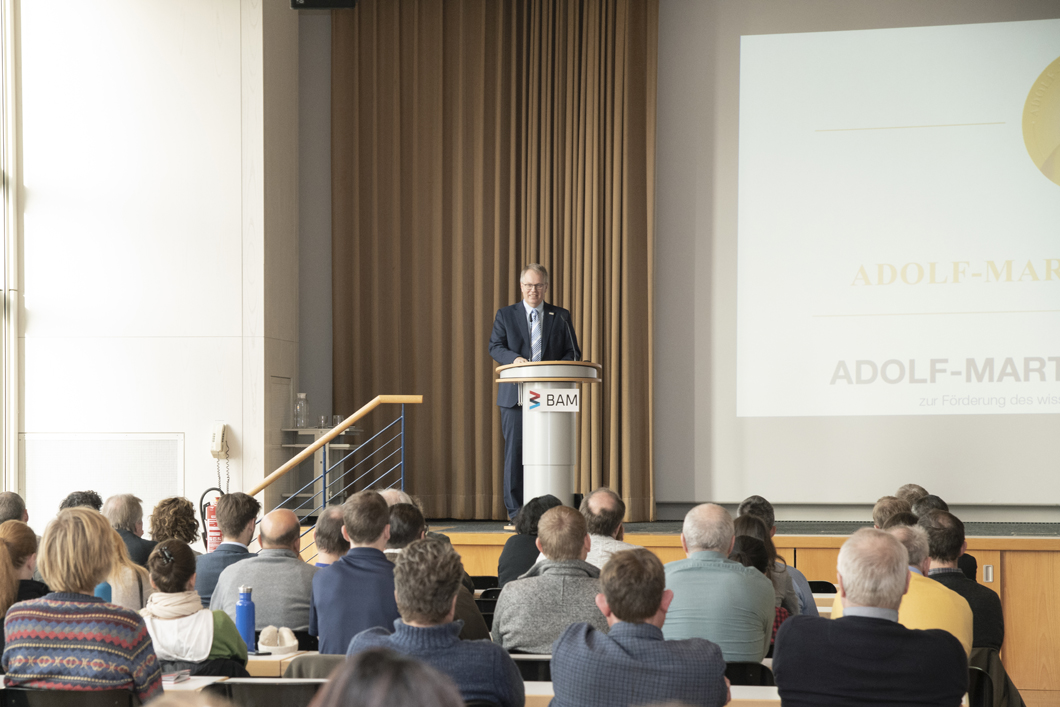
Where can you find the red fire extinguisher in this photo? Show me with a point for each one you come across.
(211, 533)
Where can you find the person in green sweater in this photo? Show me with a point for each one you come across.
(187, 636)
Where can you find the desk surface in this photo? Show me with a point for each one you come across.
(193, 684)
(270, 666)
(539, 694)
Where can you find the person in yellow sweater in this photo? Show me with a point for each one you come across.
(927, 603)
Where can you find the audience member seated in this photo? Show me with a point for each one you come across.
(408, 525)
(867, 656)
(82, 499)
(185, 635)
(604, 510)
(763, 510)
(174, 519)
(927, 603)
(632, 664)
(282, 581)
(777, 572)
(886, 507)
(12, 507)
(520, 552)
(427, 580)
(327, 535)
(128, 584)
(126, 515)
(911, 493)
(900, 518)
(924, 505)
(946, 543)
(395, 496)
(715, 598)
(237, 514)
(69, 639)
(357, 592)
(381, 678)
(752, 552)
(535, 609)
(18, 560)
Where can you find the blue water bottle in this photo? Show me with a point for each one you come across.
(245, 618)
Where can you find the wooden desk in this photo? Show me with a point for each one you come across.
(269, 666)
(539, 694)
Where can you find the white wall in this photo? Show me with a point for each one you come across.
(144, 249)
(702, 449)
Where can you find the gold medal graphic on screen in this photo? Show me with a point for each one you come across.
(1041, 122)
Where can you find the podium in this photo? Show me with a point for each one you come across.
(550, 396)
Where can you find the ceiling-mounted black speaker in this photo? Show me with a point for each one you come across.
(323, 4)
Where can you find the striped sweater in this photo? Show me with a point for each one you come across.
(79, 642)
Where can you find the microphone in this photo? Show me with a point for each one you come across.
(570, 339)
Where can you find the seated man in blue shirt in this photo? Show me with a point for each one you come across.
(357, 592)
(714, 597)
(632, 664)
(427, 577)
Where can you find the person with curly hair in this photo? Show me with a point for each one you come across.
(174, 519)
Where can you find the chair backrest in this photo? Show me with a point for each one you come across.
(980, 688)
(32, 697)
(480, 703)
(313, 666)
(493, 593)
(484, 582)
(251, 692)
(487, 616)
(749, 674)
(533, 667)
(819, 586)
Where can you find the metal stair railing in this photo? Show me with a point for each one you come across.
(394, 461)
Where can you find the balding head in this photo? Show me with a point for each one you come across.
(873, 570)
(396, 496)
(915, 541)
(279, 531)
(708, 527)
(603, 511)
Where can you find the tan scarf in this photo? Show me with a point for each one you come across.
(162, 605)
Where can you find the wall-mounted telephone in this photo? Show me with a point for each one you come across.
(218, 443)
(219, 450)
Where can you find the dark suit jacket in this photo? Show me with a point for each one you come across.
(352, 595)
(139, 549)
(988, 621)
(511, 339)
(856, 660)
(208, 568)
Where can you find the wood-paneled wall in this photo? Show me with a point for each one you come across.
(1026, 575)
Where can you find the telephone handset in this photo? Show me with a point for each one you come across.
(218, 443)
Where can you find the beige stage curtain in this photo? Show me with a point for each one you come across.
(468, 138)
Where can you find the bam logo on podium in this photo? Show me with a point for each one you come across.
(554, 400)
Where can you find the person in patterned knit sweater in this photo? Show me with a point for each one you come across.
(110, 645)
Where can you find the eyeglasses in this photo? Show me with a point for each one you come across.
(541, 286)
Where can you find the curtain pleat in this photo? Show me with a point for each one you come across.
(470, 137)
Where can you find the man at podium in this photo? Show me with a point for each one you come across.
(531, 330)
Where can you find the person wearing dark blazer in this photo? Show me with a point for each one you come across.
(513, 341)
(237, 515)
(126, 515)
(866, 655)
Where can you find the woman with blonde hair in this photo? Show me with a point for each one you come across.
(128, 584)
(69, 639)
(18, 560)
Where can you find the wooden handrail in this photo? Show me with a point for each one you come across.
(335, 432)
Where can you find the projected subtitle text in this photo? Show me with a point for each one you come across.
(958, 272)
(1029, 369)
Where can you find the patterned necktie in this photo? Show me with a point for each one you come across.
(535, 336)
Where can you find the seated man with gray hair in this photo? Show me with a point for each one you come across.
(12, 507)
(604, 510)
(126, 515)
(927, 604)
(866, 655)
(714, 597)
(535, 609)
(427, 577)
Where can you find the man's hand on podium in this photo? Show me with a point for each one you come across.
(520, 359)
